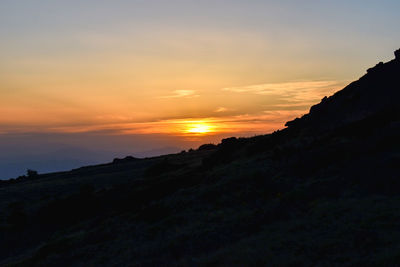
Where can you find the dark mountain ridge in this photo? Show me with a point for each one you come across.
(377, 91)
(323, 191)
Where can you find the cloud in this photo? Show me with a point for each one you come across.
(292, 92)
(181, 93)
(222, 109)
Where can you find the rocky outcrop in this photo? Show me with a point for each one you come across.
(397, 54)
(377, 91)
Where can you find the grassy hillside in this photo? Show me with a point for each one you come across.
(321, 192)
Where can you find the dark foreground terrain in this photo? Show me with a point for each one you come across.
(324, 191)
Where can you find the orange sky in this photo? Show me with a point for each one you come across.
(82, 82)
(257, 108)
(147, 67)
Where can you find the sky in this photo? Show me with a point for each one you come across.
(102, 79)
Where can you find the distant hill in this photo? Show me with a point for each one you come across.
(322, 192)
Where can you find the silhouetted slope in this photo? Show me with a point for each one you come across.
(377, 91)
(322, 192)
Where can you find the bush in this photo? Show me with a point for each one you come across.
(124, 160)
(207, 147)
(31, 173)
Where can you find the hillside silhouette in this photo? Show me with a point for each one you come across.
(323, 191)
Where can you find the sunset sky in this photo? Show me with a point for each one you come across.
(106, 75)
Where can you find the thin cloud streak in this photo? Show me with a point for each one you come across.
(299, 91)
(222, 109)
(182, 93)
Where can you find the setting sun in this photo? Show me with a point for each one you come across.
(199, 128)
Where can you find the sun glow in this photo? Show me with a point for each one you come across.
(200, 128)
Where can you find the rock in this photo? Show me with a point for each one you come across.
(377, 66)
(397, 54)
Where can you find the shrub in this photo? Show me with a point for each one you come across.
(124, 160)
(31, 173)
(207, 147)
